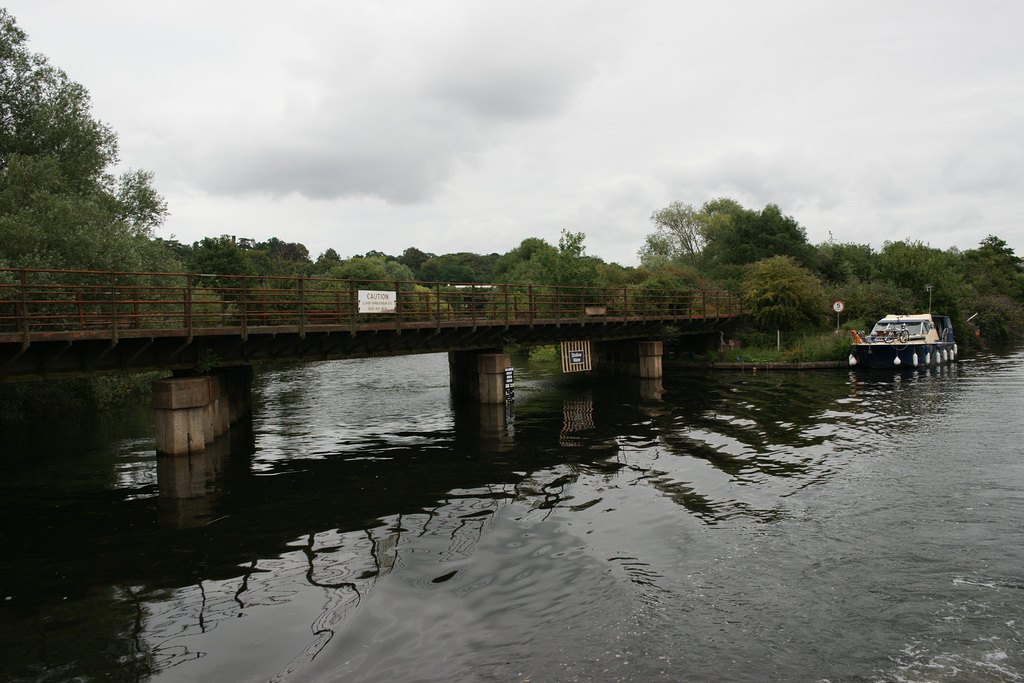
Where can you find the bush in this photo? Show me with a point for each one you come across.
(79, 396)
(999, 319)
(780, 294)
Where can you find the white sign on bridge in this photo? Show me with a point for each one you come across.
(376, 301)
(576, 356)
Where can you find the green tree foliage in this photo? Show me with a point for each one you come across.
(360, 268)
(993, 269)
(44, 114)
(573, 268)
(59, 205)
(528, 264)
(783, 295)
(459, 267)
(722, 239)
(914, 265)
(535, 262)
(278, 258)
(219, 256)
(999, 318)
(278, 249)
(845, 263)
(325, 262)
(867, 301)
(995, 280)
(373, 272)
(617, 275)
(737, 236)
(679, 237)
(412, 258)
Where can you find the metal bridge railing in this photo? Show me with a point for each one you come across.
(109, 303)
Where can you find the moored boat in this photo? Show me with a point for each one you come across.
(905, 341)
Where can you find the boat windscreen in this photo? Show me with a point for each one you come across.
(913, 327)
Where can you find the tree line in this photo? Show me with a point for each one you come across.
(789, 284)
(62, 208)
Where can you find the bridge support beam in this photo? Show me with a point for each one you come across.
(479, 375)
(181, 412)
(236, 389)
(191, 412)
(630, 357)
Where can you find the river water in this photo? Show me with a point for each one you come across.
(812, 526)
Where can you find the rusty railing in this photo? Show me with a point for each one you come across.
(109, 304)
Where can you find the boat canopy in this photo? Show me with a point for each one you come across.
(914, 326)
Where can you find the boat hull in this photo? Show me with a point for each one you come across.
(894, 355)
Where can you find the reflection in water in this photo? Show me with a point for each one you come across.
(371, 529)
(341, 567)
(577, 416)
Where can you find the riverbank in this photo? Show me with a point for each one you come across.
(765, 365)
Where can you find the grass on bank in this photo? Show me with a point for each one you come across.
(757, 348)
(814, 348)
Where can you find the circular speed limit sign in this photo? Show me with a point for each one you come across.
(838, 307)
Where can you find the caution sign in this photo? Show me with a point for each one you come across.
(576, 356)
(377, 301)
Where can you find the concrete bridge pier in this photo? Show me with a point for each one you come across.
(479, 375)
(191, 412)
(236, 388)
(180, 415)
(632, 358)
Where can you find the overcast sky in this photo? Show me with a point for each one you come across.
(470, 125)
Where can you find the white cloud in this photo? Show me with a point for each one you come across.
(461, 125)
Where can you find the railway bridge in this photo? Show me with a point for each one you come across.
(209, 330)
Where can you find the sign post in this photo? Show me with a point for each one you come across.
(510, 401)
(838, 308)
(510, 384)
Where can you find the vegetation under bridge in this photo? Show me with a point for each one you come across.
(60, 323)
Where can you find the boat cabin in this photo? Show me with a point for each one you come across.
(924, 327)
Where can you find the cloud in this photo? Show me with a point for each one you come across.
(467, 125)
(389, 112)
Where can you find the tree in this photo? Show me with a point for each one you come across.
(782, 295)
(616, 275)
(442, 269)
(528, 264)
(279, 250)
(573, 268)
(44, 224)
(463, 266)
(279, 258)
(59, 205)
(914, 266)
(45, 114)
(999, 318)
(679, 237)
(413, 258)
(868, 301)
(846, 262)
(994, 269)
(219, 256)
(375, 272)
(737, 236)
(325, 262)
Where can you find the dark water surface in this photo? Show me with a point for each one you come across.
(819, 526)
